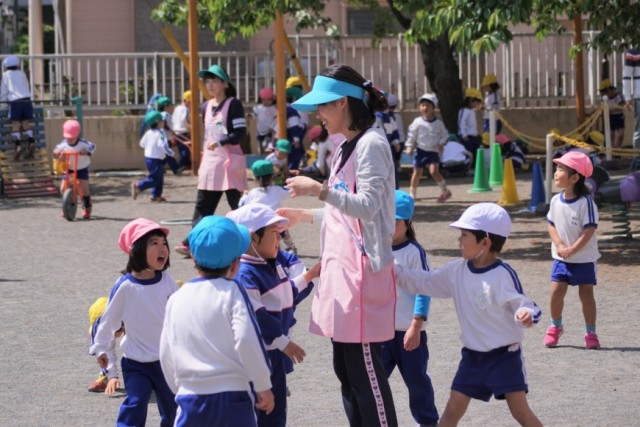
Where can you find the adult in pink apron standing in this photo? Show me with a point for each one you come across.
(222, 168)
(355, 300)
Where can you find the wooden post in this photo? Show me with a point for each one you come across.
(280, 77)
(296, 63)
(579, 77)
(194, 87)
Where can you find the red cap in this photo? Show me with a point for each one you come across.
(135, 230)
(266, 93)
(577, 161)
(315, 132)
(502, 139)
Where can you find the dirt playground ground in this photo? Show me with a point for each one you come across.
(51, 270)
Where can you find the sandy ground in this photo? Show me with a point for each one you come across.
(51, 270)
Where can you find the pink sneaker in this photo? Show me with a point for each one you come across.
(553, 335)
(444, 197)
(591, 341)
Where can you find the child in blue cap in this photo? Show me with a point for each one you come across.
(211, 352)
(408, 349)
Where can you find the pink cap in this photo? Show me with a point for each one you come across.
(577, 161)
(502, 139)
(315, 132)
(71, 129)
(266, 93)
(135, 230)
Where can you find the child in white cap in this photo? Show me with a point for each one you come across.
(16, 91)
(138, 300)
(492, 310)
(273, 295)
(573, 220)
(211, 351)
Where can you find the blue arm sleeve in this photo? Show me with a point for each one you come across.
(270, 327)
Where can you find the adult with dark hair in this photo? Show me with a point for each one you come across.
(223, 167)
(355, 301)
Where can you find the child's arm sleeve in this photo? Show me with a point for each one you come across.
(419, 260)
(109, 323)
(411, 135)
(112, 367)
(510, 293)
(166, 354)
(435, 283)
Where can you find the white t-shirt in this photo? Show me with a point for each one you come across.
(83, 147)
(272, 196)
(180, 119)
(265, 118)
(14, 86)
(570, 218)
(467, 123)
(491, 102)
(155, 144)
(428, 135)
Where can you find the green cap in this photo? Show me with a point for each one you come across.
(294, 93)
(216, 71)
(262, 168)
(163, 102)
(283, 145)
(152, 117)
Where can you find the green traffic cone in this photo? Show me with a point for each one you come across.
(495, 173)
(480, 181)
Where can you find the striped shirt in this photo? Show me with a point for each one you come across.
(631, 74)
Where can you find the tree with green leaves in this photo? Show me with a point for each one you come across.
(441, 28)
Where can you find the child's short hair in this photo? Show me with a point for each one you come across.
(215, 242)
(486, 220)
(138, 252)
(497, 242)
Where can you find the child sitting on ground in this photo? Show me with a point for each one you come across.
(280, 160)
(456, 159)
(492, 310)
(108, 381)
(84, 148)
(211, 350)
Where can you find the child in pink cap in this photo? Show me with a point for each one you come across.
(573, 219)
(138, 300)
(72, 142)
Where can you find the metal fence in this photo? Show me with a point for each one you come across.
(532, 72)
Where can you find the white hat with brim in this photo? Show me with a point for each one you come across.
(487, 217)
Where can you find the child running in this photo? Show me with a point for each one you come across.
(211, 351)
(573, 219)
(265, 114)
(72, 142)
(492, 310)
(408, 349)
(430, 135)
(272, 294)
(156, 149)
(138, 300)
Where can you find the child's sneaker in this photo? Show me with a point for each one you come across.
(158, 199)
(444, 196)
(591, 341)
(99, 385)
(134, 190)
(86, 213)
(183, 249)
(553, 335)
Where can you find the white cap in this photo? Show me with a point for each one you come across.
(11, 61)
(488, 217)
(392, 100)
(429, 97)
(255, 216)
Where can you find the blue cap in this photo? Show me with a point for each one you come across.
(325, 89)
(216, 71)
(404, 205)
(216, 241)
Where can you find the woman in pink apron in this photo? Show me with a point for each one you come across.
(222, 168)
(355, 301)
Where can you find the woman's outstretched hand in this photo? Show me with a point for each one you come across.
(303, 186)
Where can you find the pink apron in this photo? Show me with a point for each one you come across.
(352, 303)
(223, 168)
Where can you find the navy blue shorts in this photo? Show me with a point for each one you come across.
(616, 121)
(226, 409)
(82, 173)
(580, 273)
(483, 373)
(425, 158)
(20, 110)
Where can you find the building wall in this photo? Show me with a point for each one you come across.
(101, 26)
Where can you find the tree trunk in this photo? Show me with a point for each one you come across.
(442, 72)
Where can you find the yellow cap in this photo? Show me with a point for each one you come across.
(485, 138)
(472, 92)
(293, 81)
(489, 79)
(186, 96)
(96, 310)
(597, 137)
(605, 84)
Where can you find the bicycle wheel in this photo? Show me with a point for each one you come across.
(69, 205)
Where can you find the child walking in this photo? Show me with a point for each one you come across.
(272, 294)
(72, 142)
(268, 194)
(138, 300)
(181, 126)
(573, 219)
(156, 149)
(211, 351)
(408, 349)
(428, 133)
(492, 310)
(15, 90)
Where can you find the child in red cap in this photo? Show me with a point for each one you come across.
(138, 300)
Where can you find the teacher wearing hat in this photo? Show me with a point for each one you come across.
(355, 301)
(223, 167)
